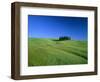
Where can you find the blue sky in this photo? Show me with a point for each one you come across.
(56, 26)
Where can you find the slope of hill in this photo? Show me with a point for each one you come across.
(43, 52)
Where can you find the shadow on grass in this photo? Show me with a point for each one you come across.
(59, 40)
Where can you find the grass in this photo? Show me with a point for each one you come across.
(44, 52)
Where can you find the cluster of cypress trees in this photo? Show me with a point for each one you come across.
(64, 38)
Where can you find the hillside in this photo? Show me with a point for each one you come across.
(50, 52)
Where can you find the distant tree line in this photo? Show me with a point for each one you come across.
(64, 38)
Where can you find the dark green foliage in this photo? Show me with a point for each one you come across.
(64, 38)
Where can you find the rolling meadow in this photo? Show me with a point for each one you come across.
(45, 52)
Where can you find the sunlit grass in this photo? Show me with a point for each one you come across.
(44, 52)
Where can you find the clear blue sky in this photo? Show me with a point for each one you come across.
(56, 26)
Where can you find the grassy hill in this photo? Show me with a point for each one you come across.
(43, 52)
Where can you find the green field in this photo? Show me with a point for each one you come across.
(44, 52)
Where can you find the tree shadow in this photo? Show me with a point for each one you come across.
(55, 40)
